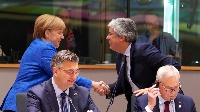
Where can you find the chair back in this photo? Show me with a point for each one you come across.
(21, 102)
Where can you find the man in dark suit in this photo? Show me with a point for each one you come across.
(138, 71)
(60, 94)
(166, 90)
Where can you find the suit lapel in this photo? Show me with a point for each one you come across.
(156, 108)
(132, 59)
(132, 51)
(177, 101)
(132, 65)
(73, 94)
(51, 96)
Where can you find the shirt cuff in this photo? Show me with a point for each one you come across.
(148, 109)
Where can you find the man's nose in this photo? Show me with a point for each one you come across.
(107, 37)
(62, 37)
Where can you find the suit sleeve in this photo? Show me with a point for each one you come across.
(137, 107)
(84, 101)
(118, 82)
(193, 107)
(155, 59)
(82, 81)
(33, 104)
(172, 43)
(92, 106)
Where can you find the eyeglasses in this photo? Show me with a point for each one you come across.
(169, 90)
(71, 72)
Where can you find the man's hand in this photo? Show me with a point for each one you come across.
(101, 88)
(141, 91)
(170, 55)
(154, 33)
(152, 94)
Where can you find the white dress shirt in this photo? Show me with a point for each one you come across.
(58, 95)
(162, 105)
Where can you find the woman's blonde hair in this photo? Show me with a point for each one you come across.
(47, 22)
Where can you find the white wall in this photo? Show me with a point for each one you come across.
(190, 81)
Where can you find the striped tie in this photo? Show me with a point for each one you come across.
(64, 103)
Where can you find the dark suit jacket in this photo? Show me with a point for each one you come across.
(43, 98)
(186, 102)
(145, 60)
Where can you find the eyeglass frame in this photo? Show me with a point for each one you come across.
(171, 90)
(72, 71)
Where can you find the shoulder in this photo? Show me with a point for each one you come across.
(142, 97)
(141, 46)
(40, 87)
(168, 35)
(38, 42)
(83, 92)
(184, 97)
(142, 38)
(81, 88)
(142, 100)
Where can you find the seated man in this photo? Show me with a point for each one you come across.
(165, 98)
(164, 41)
(60, 93)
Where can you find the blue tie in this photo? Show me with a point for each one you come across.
(64, 103)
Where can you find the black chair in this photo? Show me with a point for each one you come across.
(21, 102)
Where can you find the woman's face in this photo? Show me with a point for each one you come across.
(54, 36)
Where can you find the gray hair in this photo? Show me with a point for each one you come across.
(62, 56)
(167, 71)
(124, 27)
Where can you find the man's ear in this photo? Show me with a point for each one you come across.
(55, 71)
(123, 38)
(156, 81)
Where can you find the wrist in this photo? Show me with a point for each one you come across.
(95, 85)
(150, 107)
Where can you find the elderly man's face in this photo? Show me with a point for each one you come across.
(169, 87)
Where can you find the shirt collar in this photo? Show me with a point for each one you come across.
(161, 100)
(58, 91)
(127, 52)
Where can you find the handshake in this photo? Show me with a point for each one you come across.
(101, 88)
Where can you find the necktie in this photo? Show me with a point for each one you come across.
(64, 103)
(166, 106)
(155, 43)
